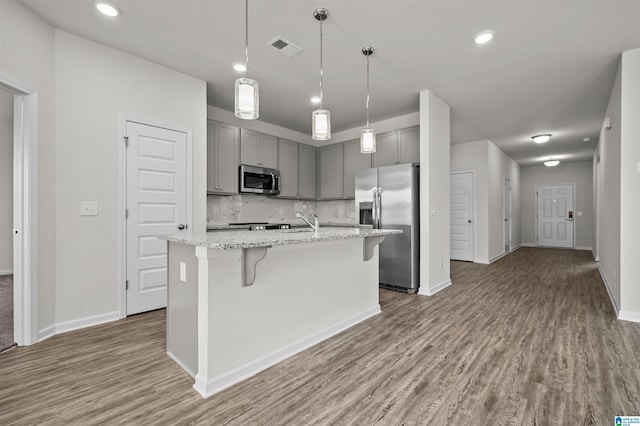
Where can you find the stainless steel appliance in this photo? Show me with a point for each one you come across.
(259, 180)
(388, 197)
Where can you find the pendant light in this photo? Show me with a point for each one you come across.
(367, 135)
(246, 90)
(321, 118)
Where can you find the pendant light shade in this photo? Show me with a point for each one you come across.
(321, 118)
(367, 135)
(247, 98)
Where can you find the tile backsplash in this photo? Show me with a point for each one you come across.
(222, 209)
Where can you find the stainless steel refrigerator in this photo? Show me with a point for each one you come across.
(388, 197)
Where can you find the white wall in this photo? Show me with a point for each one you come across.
(475, 156)
(609, 220)
(95, 84)
(26, 56)
(501, 166)
(630, 186)
(580, 173)
(435, 140)
(6, 181)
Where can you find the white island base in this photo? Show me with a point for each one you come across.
(222, 329)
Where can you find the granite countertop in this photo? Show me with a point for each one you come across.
(232, 240)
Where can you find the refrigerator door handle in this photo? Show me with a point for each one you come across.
(375, 209)
(379, 205)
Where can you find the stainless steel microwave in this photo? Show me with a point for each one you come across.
(259, 180)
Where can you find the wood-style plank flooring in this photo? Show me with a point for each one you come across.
(531, 339)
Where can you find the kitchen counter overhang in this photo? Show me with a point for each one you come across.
(227, 322)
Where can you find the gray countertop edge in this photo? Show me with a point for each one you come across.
(233, 240)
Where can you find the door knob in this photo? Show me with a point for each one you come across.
(181, 226)
(469, 220)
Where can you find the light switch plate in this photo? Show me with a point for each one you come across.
(183, 272)
(579, 213)
(638, 166)
(88, 208)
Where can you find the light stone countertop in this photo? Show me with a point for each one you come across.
(232, 240)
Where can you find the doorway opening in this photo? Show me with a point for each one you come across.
(6, 219)
(507, 215)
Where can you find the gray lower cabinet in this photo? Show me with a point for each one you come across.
(223, 153)
(397, 147)
(354, 161)
(331, 172)
(297, 164)
(258, 149)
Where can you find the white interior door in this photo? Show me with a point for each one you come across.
(157, 188)
(555, 215)
(462, 216)
(507, 215)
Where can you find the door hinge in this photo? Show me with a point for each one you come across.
(126, 284)
(126, 213)
(126, 141)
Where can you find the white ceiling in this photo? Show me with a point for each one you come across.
(549, 69)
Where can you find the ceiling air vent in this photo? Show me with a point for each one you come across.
(284, 46)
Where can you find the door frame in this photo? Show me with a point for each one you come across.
(122, 194)
(25, 211)
(475, 221)
(598, 195)
(506, 180)
(535, 206)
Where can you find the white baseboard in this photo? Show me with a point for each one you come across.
(7, 272)
(629, 316)
(584, 248)
(181, 364)
(528, 245)
(498, 257)
(433, 290)
(206, 388)
(515, 248)
(606, 285)
(596, 258)
(63, 327)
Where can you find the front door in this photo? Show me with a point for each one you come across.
(157, 188)
(555, 215)
(462, 216)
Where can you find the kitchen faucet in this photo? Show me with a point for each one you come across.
(315, 226)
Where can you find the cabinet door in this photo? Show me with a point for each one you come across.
(307, 172)
(249, 147)
(227, 163)
(331, 171)
(268, 151)
(409, 145)
(288, 160)
(212, 157)
(386, 149)
(354, 161)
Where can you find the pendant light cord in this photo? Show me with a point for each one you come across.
(367, 91)
(246, 37)
(321, 65)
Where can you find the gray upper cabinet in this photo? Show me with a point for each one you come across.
(397, 147)
(331, 170)
(354, 161)
(223, 152)
(288, 160)
(409, 145)
(257, 149)
(307, 171)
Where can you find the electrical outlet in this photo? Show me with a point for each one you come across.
(88, 208)
(433, 211)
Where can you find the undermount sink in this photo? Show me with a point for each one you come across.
(295, 230)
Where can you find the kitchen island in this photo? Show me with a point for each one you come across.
(242, 301)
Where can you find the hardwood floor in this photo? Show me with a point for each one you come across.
(531, 339)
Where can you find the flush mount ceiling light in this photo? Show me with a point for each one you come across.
(484, 37)
(239, 67)
(586, 139)
(551, 163)
(315, 99)
(367, 135)
(321, 118)
(107, 9)
(246, 90)
(541, 138)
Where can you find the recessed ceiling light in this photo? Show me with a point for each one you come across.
(315, 99)
(586, 139)
(541, 138)
(107, 9)
(551, 163)
(239, 67)
(484, 37)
